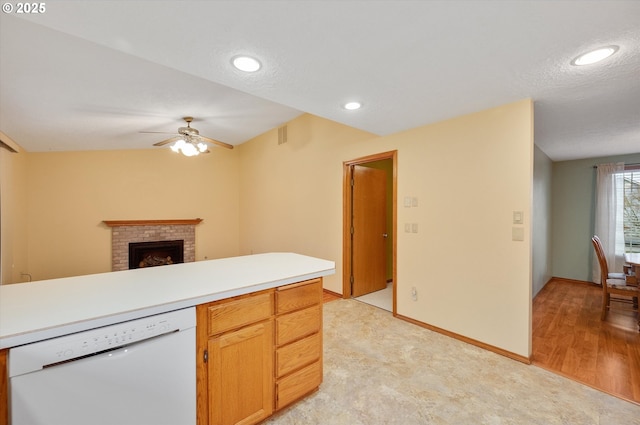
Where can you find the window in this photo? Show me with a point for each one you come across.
(631, 216)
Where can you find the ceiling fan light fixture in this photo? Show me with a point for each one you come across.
(246, 63)
(594, 56)
(177, 145)
(188, 148)
(188, 141)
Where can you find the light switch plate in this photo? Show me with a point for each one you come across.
(407, 202)
(518, 217)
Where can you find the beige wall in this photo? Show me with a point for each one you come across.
(469, 175)
(13, 214)
(291, 194)
(71, 193)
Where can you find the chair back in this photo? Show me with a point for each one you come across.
(602, 260)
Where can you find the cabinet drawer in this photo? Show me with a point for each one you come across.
(296, 325)
(298, 384)
(298, 295)
(297, 354)
(239, 312)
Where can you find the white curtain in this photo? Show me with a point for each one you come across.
(609, 216)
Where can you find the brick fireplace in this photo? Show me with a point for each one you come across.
(124, 232)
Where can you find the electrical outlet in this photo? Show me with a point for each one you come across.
(517, 234)
(414, 294)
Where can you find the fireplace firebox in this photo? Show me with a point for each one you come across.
(157, 253)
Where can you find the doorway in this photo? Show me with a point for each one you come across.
(369, 247)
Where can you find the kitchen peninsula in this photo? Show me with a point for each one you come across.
(275, 296)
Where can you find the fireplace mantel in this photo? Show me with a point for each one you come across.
(171, 222)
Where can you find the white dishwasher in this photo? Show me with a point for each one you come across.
(140, 372)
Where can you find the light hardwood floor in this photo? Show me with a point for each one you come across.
(570, 339)
(330, 296)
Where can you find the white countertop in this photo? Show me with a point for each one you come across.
(45, 309)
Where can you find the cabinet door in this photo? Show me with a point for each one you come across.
(241, 375)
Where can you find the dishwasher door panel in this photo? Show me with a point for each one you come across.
(151, 382)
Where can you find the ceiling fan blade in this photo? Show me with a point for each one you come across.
(157, 132)
(217, 142)
(170, 140)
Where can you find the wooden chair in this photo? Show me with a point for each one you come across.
(616, 287)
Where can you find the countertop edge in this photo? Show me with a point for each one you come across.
(15, 340)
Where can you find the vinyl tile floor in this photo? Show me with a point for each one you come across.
(382, 370)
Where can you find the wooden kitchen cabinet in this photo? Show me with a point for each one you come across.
(235, 365)
(258, 352)
(4, 389)
(240, 375)
(298, 341)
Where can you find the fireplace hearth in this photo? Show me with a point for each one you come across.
(156, 253)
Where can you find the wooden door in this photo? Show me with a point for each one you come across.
(369, 230)
(241, 376)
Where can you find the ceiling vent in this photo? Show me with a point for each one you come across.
(282, 135)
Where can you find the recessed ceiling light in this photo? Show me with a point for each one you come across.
(594, 56)
(352, 106)
(246, 63)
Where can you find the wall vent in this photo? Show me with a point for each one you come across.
(282, 135)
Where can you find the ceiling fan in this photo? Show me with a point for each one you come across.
(188, 140)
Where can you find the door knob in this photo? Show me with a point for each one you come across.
(384, 235)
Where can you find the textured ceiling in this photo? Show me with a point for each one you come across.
(93, 74)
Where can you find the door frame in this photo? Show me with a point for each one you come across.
(347, 211)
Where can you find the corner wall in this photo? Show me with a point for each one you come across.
(291, 194)
(469, 173)
(573, 200)
(13, 216)
(71, 193)
(541, 236)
